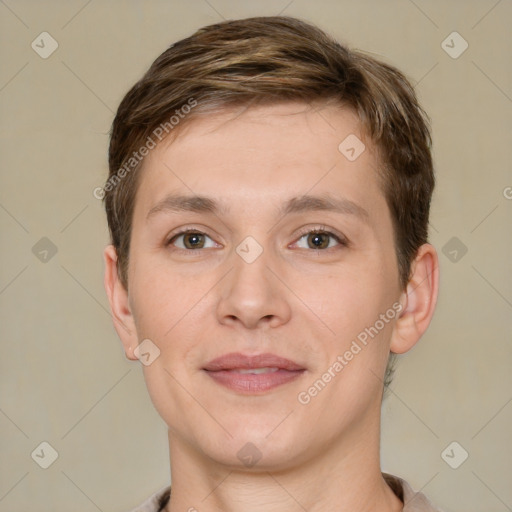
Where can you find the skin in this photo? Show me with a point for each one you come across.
(302, 303)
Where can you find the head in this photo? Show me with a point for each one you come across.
(250, 114)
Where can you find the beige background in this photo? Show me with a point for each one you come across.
(64, 377)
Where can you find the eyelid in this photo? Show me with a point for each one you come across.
(339, 237)
(183, 231)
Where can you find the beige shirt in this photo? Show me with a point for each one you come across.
(413, 501)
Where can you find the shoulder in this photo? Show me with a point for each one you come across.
(156, 502)
(413, 501)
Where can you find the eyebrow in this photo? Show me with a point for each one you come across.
(174, 203)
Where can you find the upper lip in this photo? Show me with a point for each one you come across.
(236, 360)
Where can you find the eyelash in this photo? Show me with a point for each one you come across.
(321, 230)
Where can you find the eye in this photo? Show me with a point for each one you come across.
(190, 240)
(320, 239)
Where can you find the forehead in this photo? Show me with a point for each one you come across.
(262, 152)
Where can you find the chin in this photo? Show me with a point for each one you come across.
(255, 450)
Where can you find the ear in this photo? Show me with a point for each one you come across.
(419, 300)
(119, 304)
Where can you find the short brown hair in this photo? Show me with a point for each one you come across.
(273, 60)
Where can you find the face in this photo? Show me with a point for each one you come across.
(259, 269)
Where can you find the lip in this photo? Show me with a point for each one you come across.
(223, 371)
(239, 361)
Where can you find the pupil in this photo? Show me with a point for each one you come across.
(317, 237)
(194, 239)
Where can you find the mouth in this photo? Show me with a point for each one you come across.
(253, 374)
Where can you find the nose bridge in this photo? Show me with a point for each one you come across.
(250, 281)
(251, 292)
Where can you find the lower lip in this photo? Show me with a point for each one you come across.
(249, 383)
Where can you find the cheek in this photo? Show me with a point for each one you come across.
(351, 305)
(353, 319)
(162, 299)
(349, 297)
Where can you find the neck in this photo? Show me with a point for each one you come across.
(345, 475)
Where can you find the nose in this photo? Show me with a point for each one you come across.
(252, 295)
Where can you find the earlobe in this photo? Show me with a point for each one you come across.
(119, 304)
(419, 301)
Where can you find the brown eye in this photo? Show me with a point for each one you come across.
(318, 240)
(190, 240)
(193, 240)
